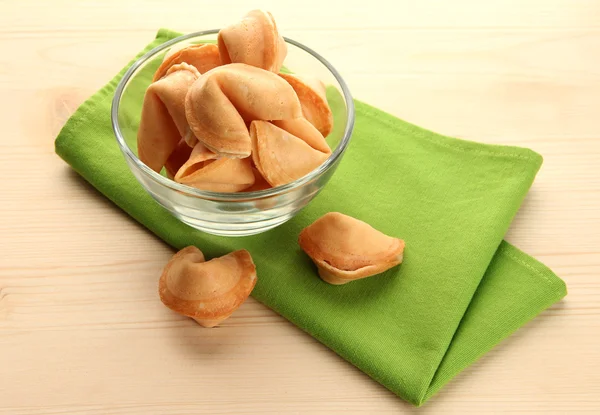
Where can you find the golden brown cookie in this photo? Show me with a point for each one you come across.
(220, 103)
(259, 182)
(207, 291)
(203, 57)
(346, 249)
(206, 171)
(163, 120)
(312, 96)
(255, 41)
(178, 157)
(302, 128)
(280, 156)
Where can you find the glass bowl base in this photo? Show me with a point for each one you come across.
(233, 229)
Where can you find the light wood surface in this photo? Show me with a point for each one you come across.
(81, 327)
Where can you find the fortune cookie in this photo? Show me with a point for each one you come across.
(280, 156)
(255, 41)
(177, 158)
(260, 183)
(207, 291)
(205, 170)
(203, 57)
(220, 103)
(163, 120)
(302, 128)
(346, 249)
(311, 92)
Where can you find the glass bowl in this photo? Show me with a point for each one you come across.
(230, 214)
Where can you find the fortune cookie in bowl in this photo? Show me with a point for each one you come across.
(207, 291)
(313, 99)
(203, 57)
(224, 99)
(255, 41)
(178, 157)
(163, 122)
(303, 129)
(282, 157)
(259, 182)
(346, 249)
(206, 171)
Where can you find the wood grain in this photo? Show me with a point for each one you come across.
(81, 327)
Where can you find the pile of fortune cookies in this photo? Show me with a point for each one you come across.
(221, 117)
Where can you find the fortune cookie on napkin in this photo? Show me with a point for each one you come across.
(280, 156)
(220, 103)
(205, 170)
(346, 249)
(207, 291)
(255, 41)
(163, 121)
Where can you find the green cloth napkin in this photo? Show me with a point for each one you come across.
(461, 288)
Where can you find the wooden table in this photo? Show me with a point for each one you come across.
(81, 326)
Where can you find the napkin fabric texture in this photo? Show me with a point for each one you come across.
(461, 288)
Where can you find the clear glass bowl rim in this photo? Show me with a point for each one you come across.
(220, 196)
